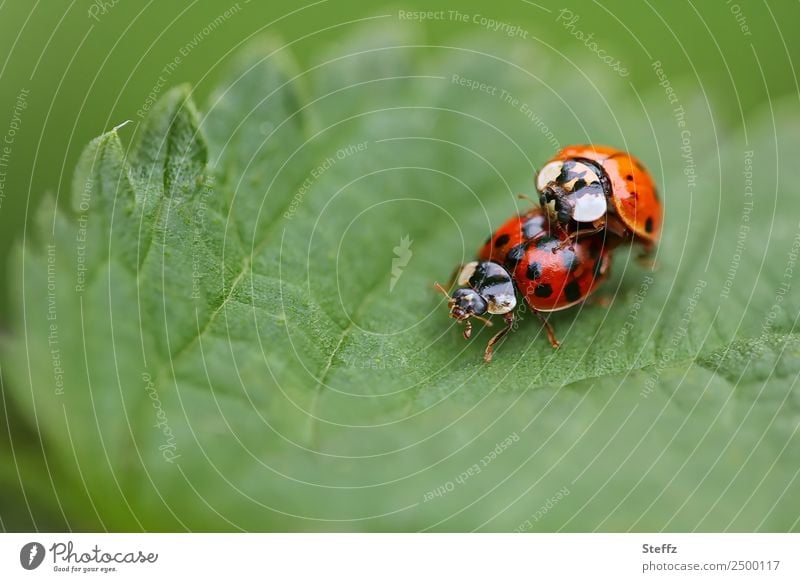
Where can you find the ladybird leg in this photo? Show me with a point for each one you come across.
(468, 325)
(612, 225)
(569, 239)
(603, 300)
(467, 329)
(572, 238)
(551, 334)
(615, 226)
(646, 259)
(509, 319)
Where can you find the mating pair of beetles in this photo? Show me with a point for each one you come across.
(592, 198)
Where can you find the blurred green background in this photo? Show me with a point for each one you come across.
(89, 66)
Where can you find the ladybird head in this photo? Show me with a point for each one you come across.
(573, 189)
(465, 303)
(557, 202)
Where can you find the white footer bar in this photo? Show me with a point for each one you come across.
(401, 557)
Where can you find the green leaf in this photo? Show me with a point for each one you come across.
(240, 349)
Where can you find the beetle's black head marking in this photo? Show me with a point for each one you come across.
(557, 202)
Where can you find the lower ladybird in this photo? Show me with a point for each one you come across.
(526, 257)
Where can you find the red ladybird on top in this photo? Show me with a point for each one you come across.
(527, 257)
(589, 188)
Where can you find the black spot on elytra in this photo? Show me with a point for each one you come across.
(629, 178)
(534, 271)
(572, 291)
(648, 224)
(543, 290)
(514, 256)
(501, 240)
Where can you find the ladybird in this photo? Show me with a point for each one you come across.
(589, 188)
(525, 256)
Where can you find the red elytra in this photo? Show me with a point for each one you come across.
(548, 275)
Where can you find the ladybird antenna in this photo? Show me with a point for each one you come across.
(509, 319)
(442, 289)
